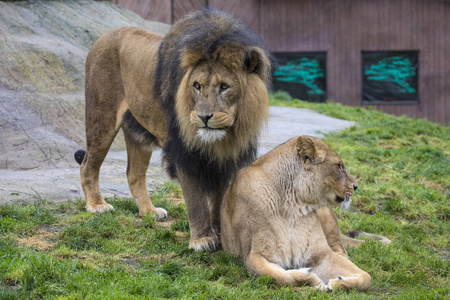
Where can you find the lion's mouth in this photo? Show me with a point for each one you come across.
(211, 135)
(211, 128)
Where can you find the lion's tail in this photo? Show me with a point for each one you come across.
(79, 156)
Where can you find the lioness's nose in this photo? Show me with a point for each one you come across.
(355, 186)
(205, 118)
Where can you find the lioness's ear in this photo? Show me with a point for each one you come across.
(306, 149)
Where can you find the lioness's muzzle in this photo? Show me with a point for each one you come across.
(340, 200)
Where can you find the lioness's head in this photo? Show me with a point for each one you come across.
(326, 171)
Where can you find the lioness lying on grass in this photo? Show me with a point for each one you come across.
(272, 214)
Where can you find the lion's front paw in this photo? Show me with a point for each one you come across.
(160, 214)
(204, 243)
(99, 208)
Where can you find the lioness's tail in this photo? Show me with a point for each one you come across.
(358, 233)
(79, 156)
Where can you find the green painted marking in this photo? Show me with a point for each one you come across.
(302, 70)
(395, 69)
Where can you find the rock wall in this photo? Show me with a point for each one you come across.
(43, 47)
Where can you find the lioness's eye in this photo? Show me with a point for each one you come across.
(197, 86)
(223, 87)
(341, 167)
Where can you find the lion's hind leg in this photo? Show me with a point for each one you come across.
(140, 144)
(259, 265)
(98, 144)
(104, 97)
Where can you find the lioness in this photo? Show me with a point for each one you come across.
(200, 92)
(272, 215)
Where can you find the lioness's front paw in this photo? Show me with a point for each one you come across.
(322, 287)
(99, 208)
(337, 282)
(204, 243)
(304, 275)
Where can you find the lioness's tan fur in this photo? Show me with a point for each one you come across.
(275, 216)
(200, 92)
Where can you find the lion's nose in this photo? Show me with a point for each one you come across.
(355, 186)
(205, 118)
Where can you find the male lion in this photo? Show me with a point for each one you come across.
(200, 92)
(275, 217)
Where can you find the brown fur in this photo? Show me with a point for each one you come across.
(116, 82)
(153, 77)
(275, 216)
(241, 112)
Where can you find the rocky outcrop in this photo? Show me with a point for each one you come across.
(43, 47)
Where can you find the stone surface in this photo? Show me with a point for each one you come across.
(43, 46)
(58, 185)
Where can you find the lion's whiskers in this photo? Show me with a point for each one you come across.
(185, 119)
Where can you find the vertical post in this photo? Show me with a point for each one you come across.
(172, 16)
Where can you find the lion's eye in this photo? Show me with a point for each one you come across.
(197, 86)
(341, 167)
(223, 87)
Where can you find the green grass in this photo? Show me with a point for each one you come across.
(59, 251)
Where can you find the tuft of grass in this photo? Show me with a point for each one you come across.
(97, 233)
(24, 219)
(280, 96)
(180, 225)
(401, 166)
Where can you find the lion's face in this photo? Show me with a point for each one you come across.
(333, 182)
(216, 114)
(214, 91)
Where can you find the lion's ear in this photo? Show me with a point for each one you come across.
(257, 61)
(308, 150)
(252, 61)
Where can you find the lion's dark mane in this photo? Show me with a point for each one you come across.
(211, 176)
(203, 32)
